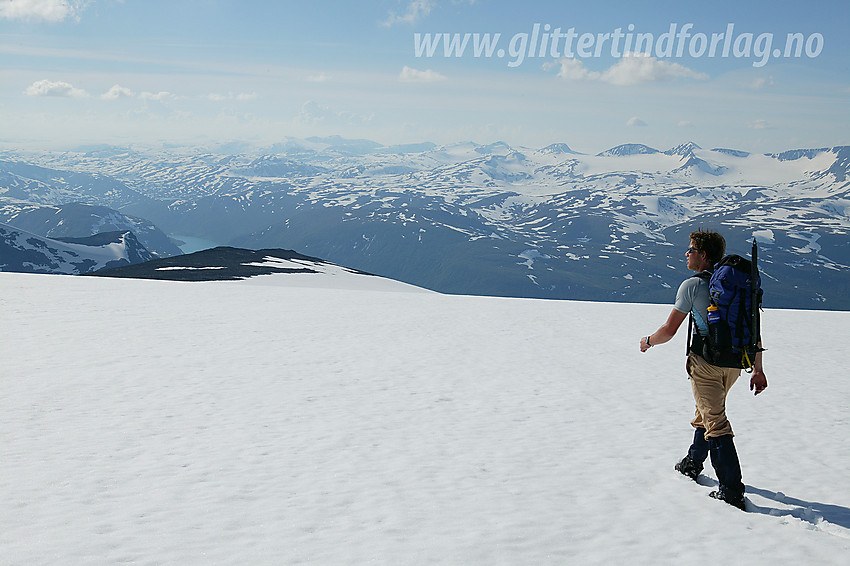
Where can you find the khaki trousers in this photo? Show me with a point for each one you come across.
(711, 384)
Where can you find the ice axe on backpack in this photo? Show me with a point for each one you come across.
(756, 298)
(752, 348)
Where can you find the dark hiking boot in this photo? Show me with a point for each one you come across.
(735, 500)
(687, 467)
(724, 458)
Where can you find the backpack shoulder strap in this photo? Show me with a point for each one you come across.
(704, 275)
(689, 341)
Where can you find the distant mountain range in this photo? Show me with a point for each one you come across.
(469, 218)
(22, 251)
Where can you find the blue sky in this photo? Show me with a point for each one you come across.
(201, 71)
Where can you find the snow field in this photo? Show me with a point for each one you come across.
(154, 422)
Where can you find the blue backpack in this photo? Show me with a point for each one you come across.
(734, 288)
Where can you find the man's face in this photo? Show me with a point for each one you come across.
(695, 257)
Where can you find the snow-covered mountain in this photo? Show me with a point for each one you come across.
(22, 251)
(159, 422)
(484, 219)
(77, 219)
(633, 149)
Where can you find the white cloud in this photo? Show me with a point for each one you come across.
(761, 82)
(631, 69)
(759, 125)
(55, 88)
(416, 10)
(230, 96)
(161, 95)
(685, 124)
(635, 69)
(314, 113)
(410, 75)
(573, 69)
(44, 10)
(116, 92)
(635, 122)
(319, 78)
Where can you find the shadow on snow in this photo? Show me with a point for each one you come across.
(810, 511)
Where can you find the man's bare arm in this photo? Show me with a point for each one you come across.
(666, 332)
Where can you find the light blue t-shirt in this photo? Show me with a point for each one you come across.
(692, 296)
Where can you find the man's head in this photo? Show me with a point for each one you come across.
(708, 245)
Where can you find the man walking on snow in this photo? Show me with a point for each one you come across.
(710, 384)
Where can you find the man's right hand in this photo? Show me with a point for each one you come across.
(758, 381)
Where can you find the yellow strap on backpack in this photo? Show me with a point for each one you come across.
(745, 361)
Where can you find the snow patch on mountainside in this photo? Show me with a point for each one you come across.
(326, 276)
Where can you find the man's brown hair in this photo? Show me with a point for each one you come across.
(710, 242)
